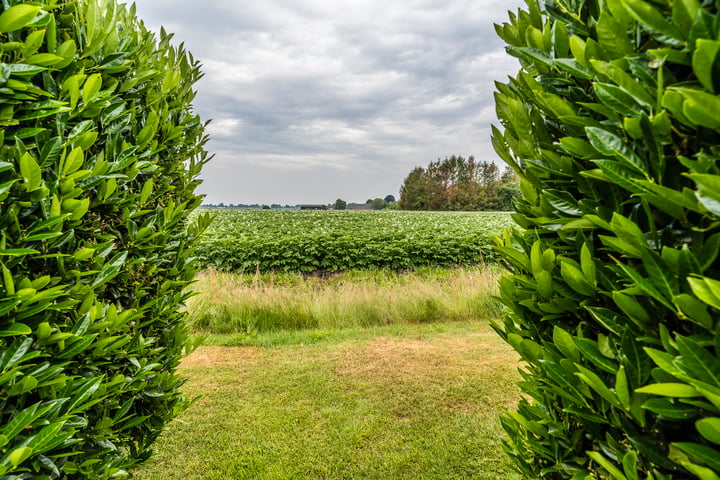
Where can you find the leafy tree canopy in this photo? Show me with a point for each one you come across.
(456, 183)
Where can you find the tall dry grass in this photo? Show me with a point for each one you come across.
(232, 303)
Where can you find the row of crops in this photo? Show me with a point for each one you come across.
(309, 241)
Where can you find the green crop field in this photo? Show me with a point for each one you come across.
(308, 241)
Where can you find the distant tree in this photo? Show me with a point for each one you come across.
(414, 191)
(390, 199)
(369, 200)
(340, 204)
(266, 207)
(378, 204)
(509, 176)
(455, 183)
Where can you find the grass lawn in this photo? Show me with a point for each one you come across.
(413, 401)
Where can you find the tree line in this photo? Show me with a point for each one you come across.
(458, 183)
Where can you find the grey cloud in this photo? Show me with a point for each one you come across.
(353, 93)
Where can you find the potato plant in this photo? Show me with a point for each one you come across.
(306, 241)
(99, 157)
(614, 298)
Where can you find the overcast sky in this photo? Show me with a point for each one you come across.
(314, 100)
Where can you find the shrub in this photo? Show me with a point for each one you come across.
(99, 160)
(613, 300)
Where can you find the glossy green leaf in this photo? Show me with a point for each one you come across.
(563, 202)
(670, 409)
(706, 63)
(622, 389)
(17, 16)
(15, 329)
(674, 102)
(33, 42)
(630, 466)
(684, 13)
(613, 36)
(111, 270)
(564, 342)
(24, 418)
(706, 289)
(708, 185)
(30, 170)
(91, 87)
(648, 16)
(709, 428)
(597, 384)
(73, 161)
(535, 55)
(19, 455)
(8, 281)
(590, 351)
(685, 199)
(701, 472)
(607, 465)
(644, 284)
(700, 107)
(677, 390)
(578, 147)
(619, 174)
(631, 308)
(694, 309)
(611, 145)
(660, 274)
(44, 59)
(617, 99)
(587, 264)
(536, 262)
(639, 93)
(573, 67)
(67, 50)
(708, 456)
(519, 259)
(545, 284)
(576, 279)
(697, 362)
(560, 40)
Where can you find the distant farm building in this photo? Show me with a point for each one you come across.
(359, 206)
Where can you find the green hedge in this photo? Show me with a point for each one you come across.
(613, 123)
(100, 153)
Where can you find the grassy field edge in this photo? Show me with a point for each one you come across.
(248, 306)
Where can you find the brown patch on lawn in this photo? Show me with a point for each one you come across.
(213, 369)
(479, 364)
(213, 356)
(409, 359)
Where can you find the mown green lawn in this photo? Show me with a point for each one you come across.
(397, 402)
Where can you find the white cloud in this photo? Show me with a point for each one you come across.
(223, 127)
